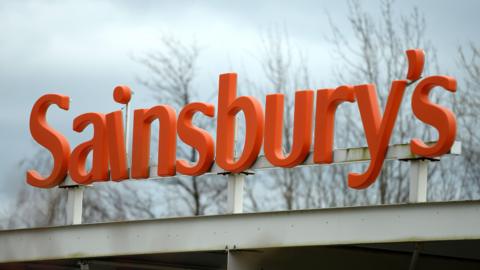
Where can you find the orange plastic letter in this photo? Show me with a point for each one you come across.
(198, 138)
(327, 103)
(98, 144)
(439, 117)
(167, 140)
(51, 139)
(228, 107)
(416, 62)
(302, 130)
(116, 146)
(378, 129)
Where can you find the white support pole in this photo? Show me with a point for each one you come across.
(418, 180)
(235, 185)
(74, 207)
(235, 193)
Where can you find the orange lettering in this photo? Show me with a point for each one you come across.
(116, 140)
(302, 135)
(51, 139)
(327, 103)
(378, 129)
(116, 146)
(228, 107)
(98, 146)
(167, 140)
(437, 116)
(198, 138)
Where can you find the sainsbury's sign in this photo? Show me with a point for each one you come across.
(263, 128)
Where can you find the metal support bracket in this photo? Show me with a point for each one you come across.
(236, 181)
(74, 207)
(235, 188)
(418, 180)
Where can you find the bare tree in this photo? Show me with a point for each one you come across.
(467, 108)
(102, 202)
(285, 70)
(172, 69)
(376, 54)
(37, 207)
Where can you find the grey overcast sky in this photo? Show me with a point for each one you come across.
(84, 48)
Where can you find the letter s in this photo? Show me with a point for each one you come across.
(200, 140)
(439, 117)
(51, 139)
